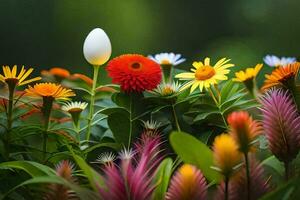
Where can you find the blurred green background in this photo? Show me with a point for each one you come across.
(47, 33)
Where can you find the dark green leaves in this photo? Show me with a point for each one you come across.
(124, 121)
(230, 98)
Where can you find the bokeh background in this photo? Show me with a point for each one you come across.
(48, 33)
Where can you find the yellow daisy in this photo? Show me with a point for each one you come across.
(248, 74)
(204, 75)
(10, 76)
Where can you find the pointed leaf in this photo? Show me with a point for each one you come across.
(193, 151)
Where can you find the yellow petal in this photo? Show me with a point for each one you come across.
(207, 61)
(21, 73)
(30, 80)
(14, 71)
(186, 85)
(224, 66)
(194, 86)
(201, 85)
(186, 75)
(25, 75)
(221, 62)
(197, 64)
(5, 72)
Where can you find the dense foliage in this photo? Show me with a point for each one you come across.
(155, 133)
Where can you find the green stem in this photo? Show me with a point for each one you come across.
(217, 102)
(287, 170)
(175, 118)
(226, 188)
(130, 118)
(167, 72)
(77, 131)
(46, 110)
(92, 102)
(9, 117)
(248, 176)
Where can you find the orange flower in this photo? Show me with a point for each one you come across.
(282, 76)
(226, 154)
(244, 130)
(57, 71)
(53, 90)
(83, 77)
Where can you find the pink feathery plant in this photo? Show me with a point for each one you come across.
(187, 183)
(132, 178)
(281, 123)
(64, 169)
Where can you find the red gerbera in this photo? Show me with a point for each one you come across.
(135, 73)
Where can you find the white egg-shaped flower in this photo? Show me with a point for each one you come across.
(97, 47)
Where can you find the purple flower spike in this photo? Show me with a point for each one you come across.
(281, 123)
(132, 178)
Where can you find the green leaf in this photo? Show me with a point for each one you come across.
(32, 168)
(82, 193)
(288, 191)
(275, 164)
(82, 89)
(111, 145)
(162, 178)
(193, 151)
(122, 127)
(109, 111)
(133, 103)
(94, 177)
(114, 86)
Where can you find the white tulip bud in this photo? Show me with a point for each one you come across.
(97, 47)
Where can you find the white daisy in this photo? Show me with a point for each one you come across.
(126, 154)
(107, 157)
(274, 61)
(167, 59)
(167, 89)
(151, 124)
(151, 127)
(75, 106)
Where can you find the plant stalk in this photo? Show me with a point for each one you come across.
(217, 102)
(92, 102)
(46, 110)
(167, 72)
(175, 118)
(287, 170)
(248, 176)
(226, 188)
(130, 118)
(11, 88)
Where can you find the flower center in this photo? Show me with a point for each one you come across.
(165, 62)
(12, 81)
(136, 66)
(167, 91)
(75, 110)
(205, 72)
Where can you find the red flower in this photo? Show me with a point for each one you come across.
(244, 130)
(135, 73)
